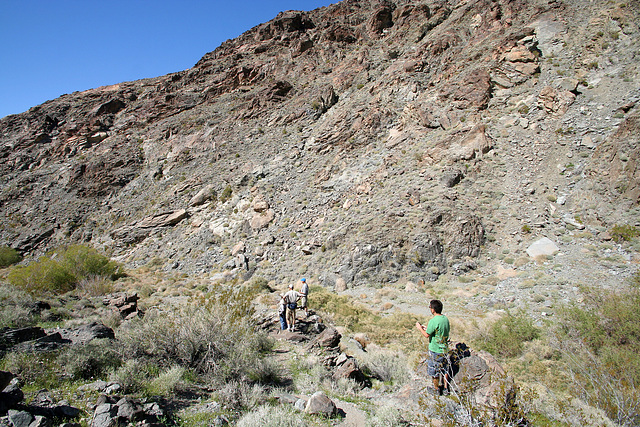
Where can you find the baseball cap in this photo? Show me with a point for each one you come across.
(303, 280)
(290, 286)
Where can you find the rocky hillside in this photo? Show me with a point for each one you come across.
(368, 142)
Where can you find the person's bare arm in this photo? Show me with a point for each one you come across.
(422, 329)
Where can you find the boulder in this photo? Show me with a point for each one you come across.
(5, 379)
(125, 304)
(320, 404)
(10, 337)
(262, 219)
(260, 204)
(544, 246)
(329, 338)
(485, 382)
(85, 333)
(10, 396)
(349, 369)
(163, 220)
(203, 196)
(554, 101)
(20, 418)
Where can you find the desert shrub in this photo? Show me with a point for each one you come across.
(308, 376)
(506, 336)
(42, 276)
(226, 194)
(212, 337)
(95, 286)
(386, 365)
(273, 416)
(386, 416)
(8, 256)
(92, 360)
(601, 344)
(258, 285)
(61, 271)
(133, 375)
(83, 261)
(16, 308)
(241, 395)
(36, 370)
(167, 382)
(624, 233)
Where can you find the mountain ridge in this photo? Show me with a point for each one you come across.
(362, 142)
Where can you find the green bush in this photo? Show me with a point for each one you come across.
(624, 233)
(83, 261)
(8, 256)
(62, 270)
(42, 276)
(601, 345)
(226, 194)
(506, 336)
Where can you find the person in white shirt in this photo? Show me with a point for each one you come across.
(291, 300)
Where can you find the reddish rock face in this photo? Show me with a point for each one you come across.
(333, 117)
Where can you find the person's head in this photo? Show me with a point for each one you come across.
(290, 286)
(303, 280)
(436, 305)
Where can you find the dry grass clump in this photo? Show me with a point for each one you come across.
(16, 308)
(273, 416)
(356, 318)
(391, 367)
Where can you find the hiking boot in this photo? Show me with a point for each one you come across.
(445, 392)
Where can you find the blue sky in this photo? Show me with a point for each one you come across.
(52, 47)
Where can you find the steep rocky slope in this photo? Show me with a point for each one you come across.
(366, 143)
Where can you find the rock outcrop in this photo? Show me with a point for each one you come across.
(366, 142)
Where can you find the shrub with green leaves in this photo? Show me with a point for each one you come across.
(61, 271)
(624, 233)
(9, 256)
(506, 336)
(42, 276)
(600, 341)
(83, 261)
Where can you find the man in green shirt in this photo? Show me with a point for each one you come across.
(437, 332)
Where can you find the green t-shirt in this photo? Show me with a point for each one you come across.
(438, 330)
